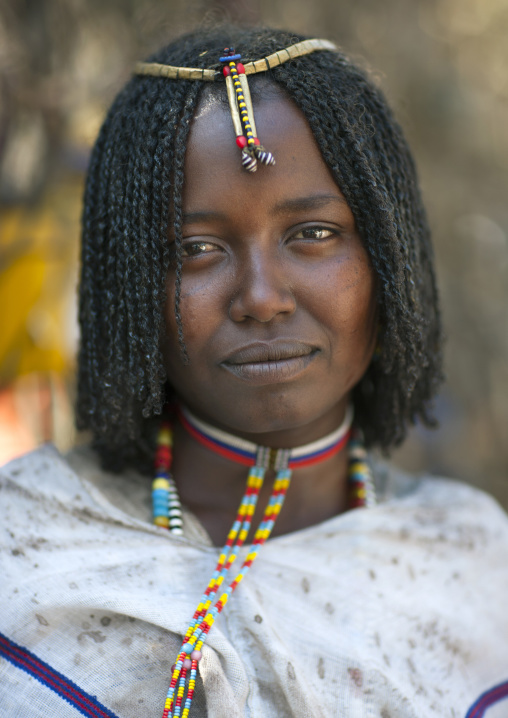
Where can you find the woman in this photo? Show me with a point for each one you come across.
(264, 305)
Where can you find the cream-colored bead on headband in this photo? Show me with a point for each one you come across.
(240, 102)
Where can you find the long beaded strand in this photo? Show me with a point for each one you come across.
(167, 513)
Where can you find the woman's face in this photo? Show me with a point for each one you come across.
(278, 294)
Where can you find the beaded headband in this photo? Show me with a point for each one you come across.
(237, 86)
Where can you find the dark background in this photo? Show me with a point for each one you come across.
(443, 65)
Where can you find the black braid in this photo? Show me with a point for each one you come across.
(178, 165)
(134, 192)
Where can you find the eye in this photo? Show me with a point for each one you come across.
(314, 233)
(197, 248)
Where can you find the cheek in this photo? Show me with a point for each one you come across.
(200, 308)
(346, 300)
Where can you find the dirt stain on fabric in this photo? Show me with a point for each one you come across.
(41, 619)
(291, 672)
(356, 676)
(321, 668)
(305, 585)
(96, 636)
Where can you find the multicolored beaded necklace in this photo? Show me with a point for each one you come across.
(167, 512)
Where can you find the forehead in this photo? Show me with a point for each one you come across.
(213, 167)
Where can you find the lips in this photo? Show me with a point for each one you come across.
(270, 362)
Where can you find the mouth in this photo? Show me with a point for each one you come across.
(267, 363)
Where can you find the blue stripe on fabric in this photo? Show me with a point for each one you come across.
(487, 700)
(23, 659)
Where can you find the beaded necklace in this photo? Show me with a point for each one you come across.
(167, 513)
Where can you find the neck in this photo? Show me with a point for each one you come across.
(211, 485)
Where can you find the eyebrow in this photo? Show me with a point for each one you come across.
(287, 205)
(201, 216)
(306, 203)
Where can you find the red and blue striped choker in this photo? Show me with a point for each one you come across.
(249, 454)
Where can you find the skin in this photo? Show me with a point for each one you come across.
(278, 309)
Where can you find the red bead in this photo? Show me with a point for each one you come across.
(240, 68)
(256, 141)
(241, 141)
(226, 71)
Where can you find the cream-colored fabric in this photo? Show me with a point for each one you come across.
(393, 612)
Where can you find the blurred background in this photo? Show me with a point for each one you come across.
(443, 65)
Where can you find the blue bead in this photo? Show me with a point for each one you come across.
(230, 58)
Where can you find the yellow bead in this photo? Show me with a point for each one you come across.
(164, 437)
(160, 484)
(161, 521)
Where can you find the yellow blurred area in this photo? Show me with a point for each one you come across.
(38, 263)
(38, 256)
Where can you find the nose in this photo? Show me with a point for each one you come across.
(262, 288)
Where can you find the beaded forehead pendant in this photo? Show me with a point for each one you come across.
(242, 112)
(237, 86)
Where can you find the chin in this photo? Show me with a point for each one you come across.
(283, 415)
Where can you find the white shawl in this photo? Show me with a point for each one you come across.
(393, 612)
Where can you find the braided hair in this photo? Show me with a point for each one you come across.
(134, 189)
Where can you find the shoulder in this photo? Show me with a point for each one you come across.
(40, 474)
(438, 510)
(393, 485)
(42, 493)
